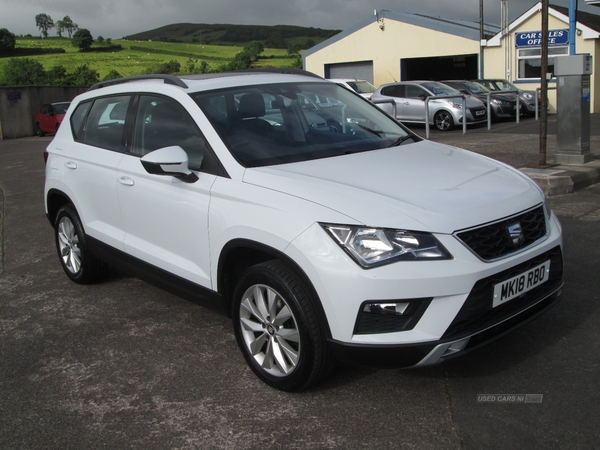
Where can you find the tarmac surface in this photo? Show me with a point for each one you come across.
(121, 364)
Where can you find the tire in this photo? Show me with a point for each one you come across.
(39, 131)
(77, 261)
(277, 328)
(443, 121)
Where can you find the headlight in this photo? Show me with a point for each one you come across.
(371, 247)
(527, 96)
(495, 101)
(457, 105)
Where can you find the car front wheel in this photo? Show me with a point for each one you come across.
(76, 259)
(277, 328)
(38, 130)
(444, 121)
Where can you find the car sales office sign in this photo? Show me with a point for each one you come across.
(534, 38)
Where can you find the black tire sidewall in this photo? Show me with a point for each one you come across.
(277, 276)
(84, 275)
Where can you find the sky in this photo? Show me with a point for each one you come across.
(117, 18)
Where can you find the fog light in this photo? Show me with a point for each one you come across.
(386, 308)
(376, 317)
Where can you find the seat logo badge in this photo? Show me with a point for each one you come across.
(516, 234)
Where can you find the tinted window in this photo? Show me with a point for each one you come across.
(78, 119)
(394, 91)
(105, 124)
(161, 122)
(413, 91)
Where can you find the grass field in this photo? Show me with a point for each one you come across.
(137, 56)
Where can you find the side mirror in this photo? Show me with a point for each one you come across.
(422, 97)
(170, 161)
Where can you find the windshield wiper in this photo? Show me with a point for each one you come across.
(403, 139)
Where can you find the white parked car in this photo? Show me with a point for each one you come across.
(362, 87)
(328, 232)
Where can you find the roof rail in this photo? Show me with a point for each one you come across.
(168, 79)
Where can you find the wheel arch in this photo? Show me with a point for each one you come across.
(240, 254)
(55, 200)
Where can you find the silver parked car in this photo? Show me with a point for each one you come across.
(445, 114)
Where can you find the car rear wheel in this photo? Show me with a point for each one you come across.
(38, 130)
(277, 328)
(77, 261)
(444, 121)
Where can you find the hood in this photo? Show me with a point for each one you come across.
(422, 186)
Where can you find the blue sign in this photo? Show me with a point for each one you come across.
(534, 38)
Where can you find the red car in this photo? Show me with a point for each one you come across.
(49, 117)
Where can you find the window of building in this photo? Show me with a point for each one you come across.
(529, 61)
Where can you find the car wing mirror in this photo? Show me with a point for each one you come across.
(422, 97)
(169, 161)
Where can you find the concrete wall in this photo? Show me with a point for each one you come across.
(19, 105)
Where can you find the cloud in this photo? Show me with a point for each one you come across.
(118, 18)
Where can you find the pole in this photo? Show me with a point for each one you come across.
(544, 86)
(573, 4)
(481, 37)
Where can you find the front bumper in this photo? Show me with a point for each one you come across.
(476, 324)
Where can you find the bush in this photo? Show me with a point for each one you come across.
(24, 72)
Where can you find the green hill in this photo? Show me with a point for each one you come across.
(278, 36)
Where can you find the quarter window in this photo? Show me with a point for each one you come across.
(105, 124)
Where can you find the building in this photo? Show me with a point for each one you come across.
(391, 46)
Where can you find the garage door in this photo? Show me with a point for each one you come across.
(362, 70)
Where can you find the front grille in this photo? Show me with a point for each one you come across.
(477, 312)
(494, 241)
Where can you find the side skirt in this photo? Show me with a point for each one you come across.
(157, 277)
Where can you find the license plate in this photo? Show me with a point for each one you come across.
(479, 113)
(515, 286)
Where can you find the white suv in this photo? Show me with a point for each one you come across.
(329, 232)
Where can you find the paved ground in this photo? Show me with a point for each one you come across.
(124, 365)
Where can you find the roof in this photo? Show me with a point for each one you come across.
(584, 18)
(458, 27)
(589, 24)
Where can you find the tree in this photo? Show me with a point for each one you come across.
(44, 22)
(24, 72)
(82, 39)
(293, 49)
(57, 76)
(112, 75)
(7, 41)
(254, 49)
(66, 25)
(169, 67)
(83, 76)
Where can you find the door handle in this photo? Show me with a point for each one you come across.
(71, 165)
(126, 181)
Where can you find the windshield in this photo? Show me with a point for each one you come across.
(291, 122)
(440, 89)
(504, 85)
(474, 88)
(362, 87)
(61, 108)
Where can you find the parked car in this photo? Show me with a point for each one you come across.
(362, 87)
(502, 106)
(445, 114)
(358, 243)
(49, 117)
(527, 97)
